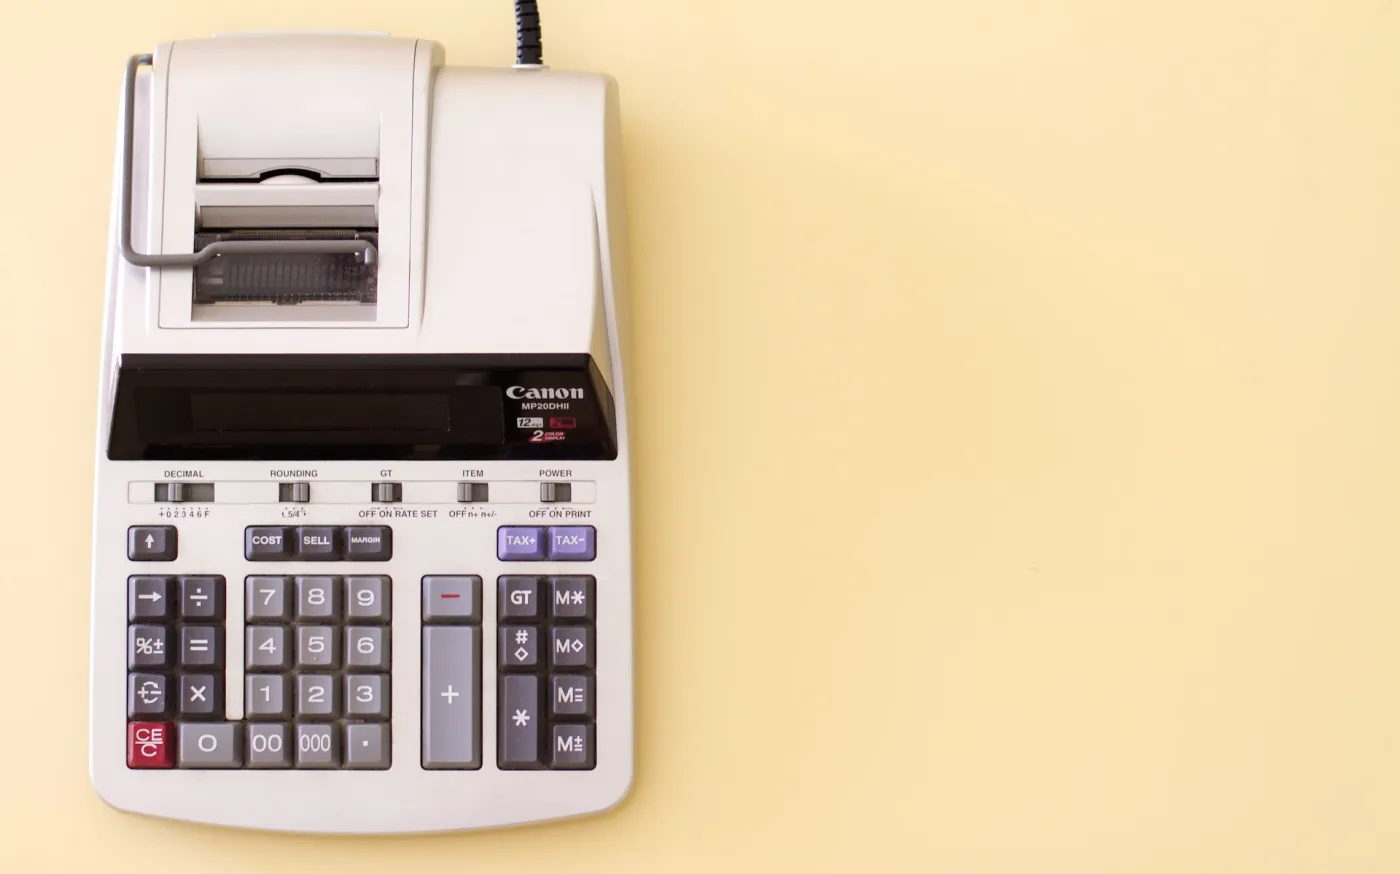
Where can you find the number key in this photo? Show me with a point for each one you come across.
(266, 697)
(315, 647)
(367, 599)
(367, 696)
(267, 648)
(316, 695)
(318, 598)
(318, 746)
(268, 599)
(268, 746)
(367, 648)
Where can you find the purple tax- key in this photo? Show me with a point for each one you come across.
(564, 543)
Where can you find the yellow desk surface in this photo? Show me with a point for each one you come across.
(1018, 427)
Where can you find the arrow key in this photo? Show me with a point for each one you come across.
(148, 599)
(151, 543)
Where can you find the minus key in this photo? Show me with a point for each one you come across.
(454, 599)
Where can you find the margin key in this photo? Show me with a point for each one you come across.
(452, 697)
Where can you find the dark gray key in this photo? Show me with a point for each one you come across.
(369, 543)
(318, 598)
(202, 598)
(318, 745)
(147, 697)
(573, 747)
(520, 647)
(571, 647)
(202, 646)
(316, 646)
(211, 744)
(367, 649)
(201, 696)
(152, 543)
(268, 599)
(265, 696)
(148, 647)
(267, 543)
(367, 696)
(571, 695)
(367, 746)
(150, 599)
(316, 696)
(518, 729)
(452, 599)
(368, 600)
(269, 745)
(571, 597)
(452, 697)
(267, 648)
(518, 598)
(318, 544)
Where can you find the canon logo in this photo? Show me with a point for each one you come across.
(517, 392)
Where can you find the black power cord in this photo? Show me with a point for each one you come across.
(528, 49)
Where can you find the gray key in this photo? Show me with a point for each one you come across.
(573, 747)
(318, 598)
(571, 597)
(571, 647)
(265, 697)
(520, 646)
(211, 745)
(201, 696)
(368, 599)
(518, 731)
(202, 598)
(367, 696)
(570, 695)
(268, 599)
(452, 697)
(318, 746)
(367, 649)
(268, 745)
(367, 746)
(518, 597)
(316, 695)
(201, 646)
(452, 599)
(147, 697)
(147, 646)
(316, 646)
(267, 648)
(150, 598)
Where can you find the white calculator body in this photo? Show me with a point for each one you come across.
(362, 531)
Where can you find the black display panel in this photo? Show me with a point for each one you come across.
(361, 407)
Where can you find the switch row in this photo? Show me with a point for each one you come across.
(318, 543)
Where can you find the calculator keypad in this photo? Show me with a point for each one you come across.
(546, 679)
(318, 660)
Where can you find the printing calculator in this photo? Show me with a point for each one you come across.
(362, 545)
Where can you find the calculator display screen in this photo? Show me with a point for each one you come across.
(361, 407)
(320, 411)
